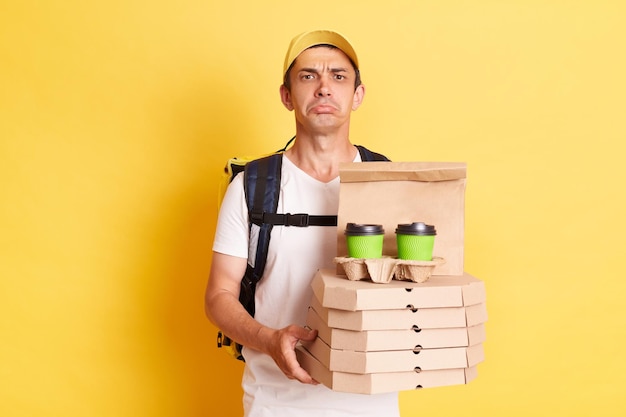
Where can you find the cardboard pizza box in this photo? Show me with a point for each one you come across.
(394, 360)
(402, 319)
(382, 340)
(335, 291)
(377, 383)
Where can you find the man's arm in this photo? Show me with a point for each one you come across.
(223, 308)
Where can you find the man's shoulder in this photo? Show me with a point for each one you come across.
(264, 165)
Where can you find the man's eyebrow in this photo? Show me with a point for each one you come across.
(315, 71)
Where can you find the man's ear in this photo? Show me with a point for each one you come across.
(285, 97)
(359, 94)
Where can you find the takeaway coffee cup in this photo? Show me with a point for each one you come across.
(364, 240)
(415, 241)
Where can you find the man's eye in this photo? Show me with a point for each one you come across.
(307, 77)
(339, 77)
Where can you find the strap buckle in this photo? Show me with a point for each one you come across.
(298, 220)
(288, 219)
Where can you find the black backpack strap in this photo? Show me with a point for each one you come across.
(296, 220)
(369, 156)
(262, 189)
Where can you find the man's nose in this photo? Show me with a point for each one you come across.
(323, 89)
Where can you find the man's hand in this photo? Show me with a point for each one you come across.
(282, 349)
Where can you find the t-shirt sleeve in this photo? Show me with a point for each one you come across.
(231, 233)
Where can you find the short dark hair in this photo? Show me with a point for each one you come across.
(357, 80)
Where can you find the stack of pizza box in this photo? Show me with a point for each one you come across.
(397, 336)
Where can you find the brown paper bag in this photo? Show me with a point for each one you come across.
(390, 193)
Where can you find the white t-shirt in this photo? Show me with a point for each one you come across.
(283, 295)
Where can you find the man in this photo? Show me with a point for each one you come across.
(322, 87)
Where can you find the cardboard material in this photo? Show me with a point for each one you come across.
(395, 360)
(383, 270)
(406, 339)
(382, 382)
(335, 291)
(390, 193)
(402, 319)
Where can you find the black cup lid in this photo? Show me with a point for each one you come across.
(416, 228)
(358, 229)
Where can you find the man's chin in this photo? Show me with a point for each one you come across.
(323, 123)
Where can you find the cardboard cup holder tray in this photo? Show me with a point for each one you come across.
(383, 270)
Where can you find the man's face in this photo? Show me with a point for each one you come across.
(322, 90)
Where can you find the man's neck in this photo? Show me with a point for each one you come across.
(320, 155)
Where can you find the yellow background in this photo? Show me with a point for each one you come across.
(116, 119)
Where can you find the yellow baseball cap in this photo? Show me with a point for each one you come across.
(318, 37)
